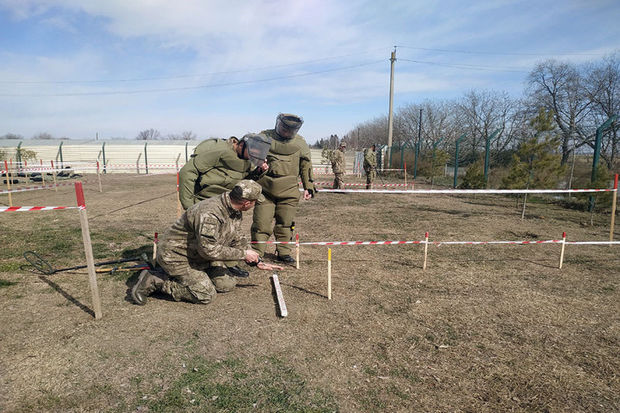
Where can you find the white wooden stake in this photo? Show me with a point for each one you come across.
(562, 250)
(297, 251)
(329, 273)
(8, 182)
(42, 173)
(99, 177)
(425, 250)
(54, 175)
(281, 303)
(155, 241)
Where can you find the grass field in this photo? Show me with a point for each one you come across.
(483, 328)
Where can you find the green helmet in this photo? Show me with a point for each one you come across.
(288, 124)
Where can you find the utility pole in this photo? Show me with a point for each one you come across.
(390, 115)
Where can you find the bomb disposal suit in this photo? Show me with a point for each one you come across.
(214, 168)
(289, 159)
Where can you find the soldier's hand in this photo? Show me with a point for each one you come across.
(308, 194)
(262, 265)
(264, 166)
(251, 256)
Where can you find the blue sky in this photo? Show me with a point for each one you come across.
(75, 68)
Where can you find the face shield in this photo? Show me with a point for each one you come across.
(258, 147)
(287, 125)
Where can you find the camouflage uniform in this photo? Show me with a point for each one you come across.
(370, 166)
(213, 168)
(194, 249)
(338, 167)
(288, 159)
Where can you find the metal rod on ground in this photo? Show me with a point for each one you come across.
(297, 251)
(329, 273)
(425, 249)
(280, 297)
(613, 209)
(8, 182)
(562, 250)
(88, 250)
(99, 177)
(54, 175)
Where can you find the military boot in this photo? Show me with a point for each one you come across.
(286, 259)
(147, 284)
(238, 272)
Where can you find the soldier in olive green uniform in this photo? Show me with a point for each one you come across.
(215, 167)
(288, 159)
(338, 165)
(370, 165)
(192, 252)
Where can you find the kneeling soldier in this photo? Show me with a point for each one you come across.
(193, 251)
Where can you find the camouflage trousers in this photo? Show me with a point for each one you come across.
(338, 180)
(196, 283)
(371, 175)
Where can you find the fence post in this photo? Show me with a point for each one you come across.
(613, 209)
(146, 159)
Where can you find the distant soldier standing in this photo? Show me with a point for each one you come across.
(289, 159)
(370, 165)
(338, 165)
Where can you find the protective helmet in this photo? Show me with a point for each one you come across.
(258, 145)
(287, 125)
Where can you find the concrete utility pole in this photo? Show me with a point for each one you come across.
(390, 115)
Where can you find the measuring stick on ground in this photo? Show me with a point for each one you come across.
(329, 273)
(280, 297)
(8, 182)
(613, 209)
(88, 250)
(562, 250)
(297, 251)
(425, 250)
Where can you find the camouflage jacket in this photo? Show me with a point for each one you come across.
(370, 159)
(207, 231)
(338, 163)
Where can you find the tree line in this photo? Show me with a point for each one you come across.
(578, 97)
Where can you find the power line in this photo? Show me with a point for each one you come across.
(503, 53)
(213, 85)
(466, 66)
(185, 76)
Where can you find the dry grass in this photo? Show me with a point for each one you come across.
(484, 328)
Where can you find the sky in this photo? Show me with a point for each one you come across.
(112, 68)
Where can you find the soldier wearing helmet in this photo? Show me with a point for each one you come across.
(288, 159)
(338, 165)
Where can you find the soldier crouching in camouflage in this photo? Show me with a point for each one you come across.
(193, 251)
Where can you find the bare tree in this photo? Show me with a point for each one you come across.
(558, 86)
(43, 135)
(148, 134)
(12, 136)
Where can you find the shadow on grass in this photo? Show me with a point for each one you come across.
(67, 295)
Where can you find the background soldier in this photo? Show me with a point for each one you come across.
(370, 165)
(288, 159)
(193, 251)
(338, 165)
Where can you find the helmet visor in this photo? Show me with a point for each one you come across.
(258, 146)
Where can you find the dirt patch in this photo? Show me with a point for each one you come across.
(483, 328)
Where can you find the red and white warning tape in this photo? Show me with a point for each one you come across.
(33, 188)
(439, 243)
(37, 208)
(466, 191)
(363, 184)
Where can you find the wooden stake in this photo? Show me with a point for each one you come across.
(42, 173)
(524, 202)
(613, 209)
(138, 163)
(155, 241)
(99, 177)
(297, 251)
(281, 303)
(88, 250)
(405, 175)
(425, 250)
(26, 169)
(54, 175)
(562, 250)
(329, 273)
(8, 182)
